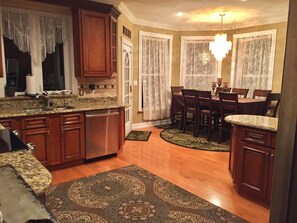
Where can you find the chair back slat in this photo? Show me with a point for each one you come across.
(241, 91)
(228, 102)
(204, 100)
(260, 93)
(271, 104)
(190, 99)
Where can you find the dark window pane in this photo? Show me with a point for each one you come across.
(53, 70)
(18, 65)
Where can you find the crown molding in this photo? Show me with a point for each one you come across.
(196, 27)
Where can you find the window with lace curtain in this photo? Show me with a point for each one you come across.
(253, 60)
(35, 43)
(155, 52)
(198, 66)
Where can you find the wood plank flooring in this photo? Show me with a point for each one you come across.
(203, 173)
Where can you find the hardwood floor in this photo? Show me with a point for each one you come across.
(203, 173)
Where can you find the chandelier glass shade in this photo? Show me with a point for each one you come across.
(220, 46)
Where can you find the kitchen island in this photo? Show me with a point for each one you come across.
(252, 151)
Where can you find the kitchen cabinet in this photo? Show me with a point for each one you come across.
(1, 63)
(95, 43)
(251, 162)
(59, 138)
(36, 130)
(72, 137)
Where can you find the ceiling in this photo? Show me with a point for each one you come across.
(202, 14)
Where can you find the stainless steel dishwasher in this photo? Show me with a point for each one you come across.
(102, 133)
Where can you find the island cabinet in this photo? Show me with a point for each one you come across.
(251, 162)
(95, 43)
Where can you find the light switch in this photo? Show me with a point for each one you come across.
(135, 83)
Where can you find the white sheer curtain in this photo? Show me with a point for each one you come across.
(154, 73)
(16, 27)
(32, 31)
(51, 33)
(198, 66)
(254, 61)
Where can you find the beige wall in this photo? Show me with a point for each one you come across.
(226, 64)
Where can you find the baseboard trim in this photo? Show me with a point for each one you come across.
(150, 124)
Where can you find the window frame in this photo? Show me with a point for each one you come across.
(68, 52)
(188, 38)
(156, 35)
(236, 37)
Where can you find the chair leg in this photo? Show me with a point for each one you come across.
(198, 125)
(221, 132)
(209, 120)
(184, 122)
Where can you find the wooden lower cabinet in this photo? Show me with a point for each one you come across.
(40, 138)
(59, 138)
(251, 162)
(11, 123)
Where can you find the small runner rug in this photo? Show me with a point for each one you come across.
(177, 137)
(139, 135)
(130, 194)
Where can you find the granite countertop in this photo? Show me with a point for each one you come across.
(254, 121)
(32, 171)
(76, 106)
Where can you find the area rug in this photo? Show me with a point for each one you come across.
(130, 194)
(138, 135)
(175, 136)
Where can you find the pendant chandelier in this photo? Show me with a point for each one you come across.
(220, 46)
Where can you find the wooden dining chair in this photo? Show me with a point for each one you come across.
(271, 104)
(206, 115)
(175, 115)
(190, 111)
(242, 92)
(259, 93)
(221, 89)
(229, 106)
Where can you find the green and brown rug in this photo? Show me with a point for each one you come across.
(177, 137)
(130, 194)
(138, 135)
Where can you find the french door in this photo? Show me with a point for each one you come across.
(127, 67)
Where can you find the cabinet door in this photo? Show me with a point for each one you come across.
(253, 166)
(96, 44)
(1, 65)
(73, 142)
(40, 138)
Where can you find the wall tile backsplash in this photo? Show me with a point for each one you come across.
(104, 87)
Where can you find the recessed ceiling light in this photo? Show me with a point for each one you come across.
(243, 0)
(180, 14)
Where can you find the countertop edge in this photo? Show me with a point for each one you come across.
(254, 121)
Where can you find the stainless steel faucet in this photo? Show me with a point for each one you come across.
(46, 98)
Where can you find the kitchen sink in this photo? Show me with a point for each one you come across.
(36, 110)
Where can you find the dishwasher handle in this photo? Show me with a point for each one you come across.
(102, 115)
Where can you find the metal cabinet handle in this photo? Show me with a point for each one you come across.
(272, 155)
(16, 132)
(31, 147)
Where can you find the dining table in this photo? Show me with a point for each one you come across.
(250, 106)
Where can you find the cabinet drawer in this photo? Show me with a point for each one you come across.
(70, 119)
(35, 122)
(257, 137)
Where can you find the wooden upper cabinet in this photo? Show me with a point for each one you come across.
(94, 43)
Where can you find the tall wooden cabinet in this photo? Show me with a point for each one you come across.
(95, 43)
(251, 162)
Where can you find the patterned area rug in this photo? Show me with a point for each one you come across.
(130, 194)
(139, 135)
(175, 136)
